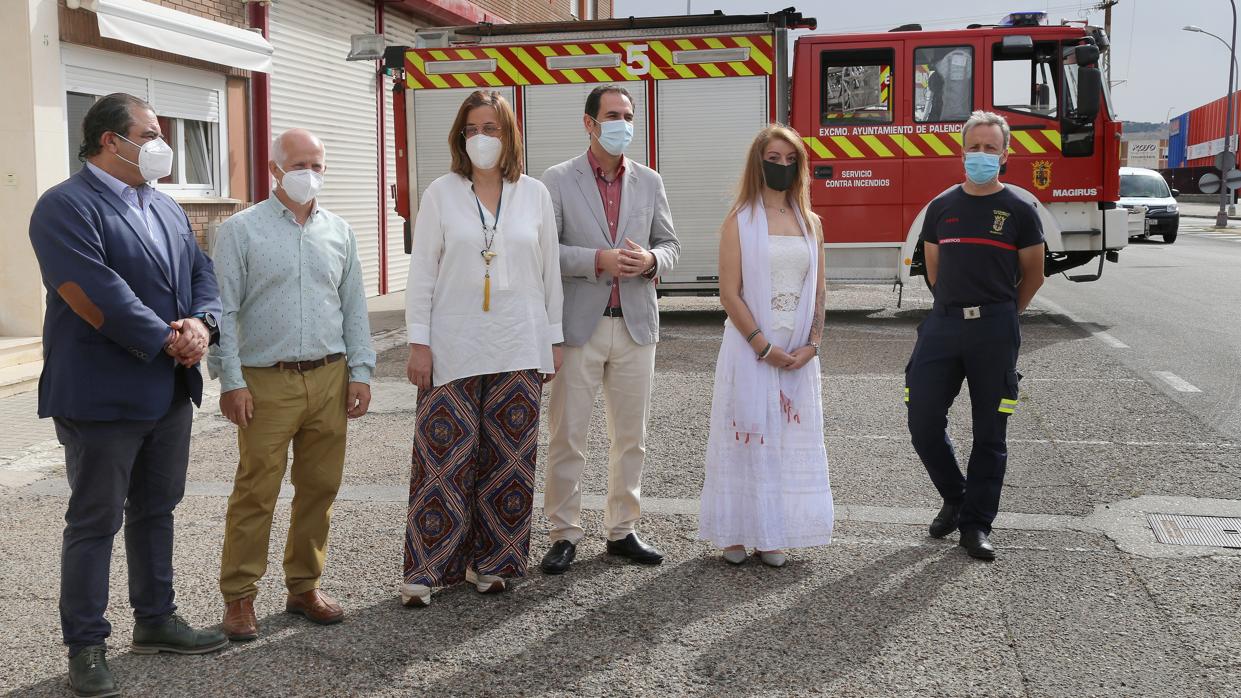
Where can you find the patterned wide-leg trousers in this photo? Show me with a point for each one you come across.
(471, 486)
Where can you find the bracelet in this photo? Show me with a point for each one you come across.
(752, 335)
(766, 350)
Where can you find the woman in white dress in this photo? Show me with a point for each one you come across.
(767, 485)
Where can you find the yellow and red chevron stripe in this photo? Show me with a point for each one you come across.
(528, 64)
(922, 145)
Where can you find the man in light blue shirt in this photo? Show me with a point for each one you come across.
(294, 360)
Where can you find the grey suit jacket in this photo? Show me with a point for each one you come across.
(644, 218)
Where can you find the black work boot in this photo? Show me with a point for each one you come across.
(89, 676)
(176, 636)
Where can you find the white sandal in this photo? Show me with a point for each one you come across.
(485, 583)
(415, 595)
(734, 556)
(773, 558)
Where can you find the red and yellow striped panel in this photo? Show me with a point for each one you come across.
(527, 64)
(921, 145)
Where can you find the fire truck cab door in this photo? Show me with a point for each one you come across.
(854, 129)
(945, 91)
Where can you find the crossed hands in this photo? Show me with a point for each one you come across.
(787, 361)
(187, 341)
(631, 260)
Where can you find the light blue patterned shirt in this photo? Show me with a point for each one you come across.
(290, 293)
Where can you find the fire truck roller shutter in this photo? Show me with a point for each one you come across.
(312, 87)
(553, 127)
(434, 112)
(705, 127)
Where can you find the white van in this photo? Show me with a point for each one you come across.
(1147, 188)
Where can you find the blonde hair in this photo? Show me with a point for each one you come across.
(512, 154)
(750, 188)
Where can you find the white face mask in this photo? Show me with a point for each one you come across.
(301, 185)
(154, 158)
(484, 150)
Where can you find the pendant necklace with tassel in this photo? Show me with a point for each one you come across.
(489, 238)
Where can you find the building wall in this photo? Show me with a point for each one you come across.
(81, 27)
(530, 10)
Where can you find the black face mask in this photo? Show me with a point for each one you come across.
(779, 177)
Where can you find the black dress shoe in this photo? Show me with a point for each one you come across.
(976, 544)
(558, 559)
(633, 548)
(946, 520)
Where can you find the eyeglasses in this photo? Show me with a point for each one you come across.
(492, 130)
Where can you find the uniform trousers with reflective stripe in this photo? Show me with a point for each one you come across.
(982, 351)
(471, 486)
(308, 409)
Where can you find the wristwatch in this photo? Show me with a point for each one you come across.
(213, 327)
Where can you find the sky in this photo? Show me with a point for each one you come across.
(1157, 68)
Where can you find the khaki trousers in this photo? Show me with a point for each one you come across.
(625, 370)
(308, 409)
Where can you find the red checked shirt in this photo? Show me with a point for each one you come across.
(610, 192)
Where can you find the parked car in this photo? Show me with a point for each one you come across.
(1142, 187)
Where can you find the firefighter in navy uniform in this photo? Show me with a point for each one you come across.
(983, 246)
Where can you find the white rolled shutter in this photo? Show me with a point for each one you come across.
(554, 129)
(313, 87)
(185, 101)
(434, 112)
(91, 81)
(701, 166)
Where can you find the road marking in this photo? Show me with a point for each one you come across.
(1110, 340)
(1176, 382)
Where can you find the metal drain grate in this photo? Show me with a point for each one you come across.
(1178, 529)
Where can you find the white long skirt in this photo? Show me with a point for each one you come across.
(772, 495)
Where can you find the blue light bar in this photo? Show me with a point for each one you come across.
(1023, 19)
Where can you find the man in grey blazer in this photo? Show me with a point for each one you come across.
(615, 238)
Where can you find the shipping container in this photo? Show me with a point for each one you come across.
(1204, 131)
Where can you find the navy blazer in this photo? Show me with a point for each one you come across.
(109, 302)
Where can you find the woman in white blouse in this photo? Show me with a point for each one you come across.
(482, 311)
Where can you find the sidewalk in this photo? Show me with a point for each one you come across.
(1194, 210)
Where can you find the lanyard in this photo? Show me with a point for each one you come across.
(488, 241)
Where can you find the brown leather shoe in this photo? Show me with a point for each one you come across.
(239, 624)
(316, 606)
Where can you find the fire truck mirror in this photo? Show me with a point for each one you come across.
(1089, 93)
(1016, 45)
(1086, 54)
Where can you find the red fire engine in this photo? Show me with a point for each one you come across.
(881, 115)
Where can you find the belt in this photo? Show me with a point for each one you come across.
(303, 366)
(612, 312)
(974, 312)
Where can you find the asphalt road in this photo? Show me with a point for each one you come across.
(1171, 312)
(1082, 601)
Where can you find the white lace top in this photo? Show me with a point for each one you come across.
(790, 262)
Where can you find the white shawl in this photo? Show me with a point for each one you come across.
(752, 378)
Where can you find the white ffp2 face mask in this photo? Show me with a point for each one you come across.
(154, 158)
(301, 185)
(484, 150)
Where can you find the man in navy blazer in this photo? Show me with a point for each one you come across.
(131, 308)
